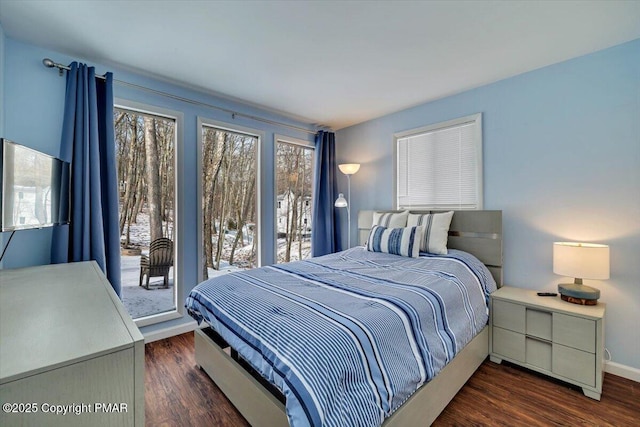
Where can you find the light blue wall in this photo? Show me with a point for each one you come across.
(561, 160)
(34, 101)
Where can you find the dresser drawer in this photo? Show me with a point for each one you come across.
(509, 344)
(574, 364)
(575, 332)
(509, 316)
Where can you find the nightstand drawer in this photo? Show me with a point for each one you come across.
(509, 344)
(538, 353)
(574, 364)
(574, 332)
(509, 316)
(539, 324)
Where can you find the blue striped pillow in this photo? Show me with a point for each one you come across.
(436, 230)
(397, 241)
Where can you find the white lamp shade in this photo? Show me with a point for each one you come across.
(349, 168)
(581, 260)
(341, 202)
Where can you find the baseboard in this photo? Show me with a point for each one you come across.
(623, 371)
(171, 331)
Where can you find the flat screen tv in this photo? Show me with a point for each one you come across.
(35, 188)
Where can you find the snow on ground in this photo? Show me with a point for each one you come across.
(138, 301)
(141, 302)
(140, 231)
(282, 250)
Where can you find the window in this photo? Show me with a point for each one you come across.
(440, 166)
(294, 186)
(146, 140)
(229, 198)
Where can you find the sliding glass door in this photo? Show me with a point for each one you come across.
(145, 150)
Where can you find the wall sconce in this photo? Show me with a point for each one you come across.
(581, 261)
(348, 169)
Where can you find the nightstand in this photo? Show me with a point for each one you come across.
(548, 335)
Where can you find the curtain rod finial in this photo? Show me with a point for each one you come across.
(50, 64)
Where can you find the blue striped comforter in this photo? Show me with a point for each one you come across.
(348, 337)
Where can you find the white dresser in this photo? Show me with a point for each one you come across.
(70, 355)
(555, 337)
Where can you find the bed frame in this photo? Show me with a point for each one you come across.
(477, 232)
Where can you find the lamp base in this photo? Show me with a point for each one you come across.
(578, 294)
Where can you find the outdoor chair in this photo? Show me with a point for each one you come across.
(158, 262)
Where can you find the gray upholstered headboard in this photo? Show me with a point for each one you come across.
(476, 232)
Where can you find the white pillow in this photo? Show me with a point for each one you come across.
(390, 219)
(436, 230)
(403, 241)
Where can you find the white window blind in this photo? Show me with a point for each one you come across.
(440, 166)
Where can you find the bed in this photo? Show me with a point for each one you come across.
(354, 338)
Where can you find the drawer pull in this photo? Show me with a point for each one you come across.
(539, 310)
(538, 339)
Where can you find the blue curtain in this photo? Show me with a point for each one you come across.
(88, 143)
(325, 231)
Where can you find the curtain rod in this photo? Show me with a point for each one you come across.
(51, 64)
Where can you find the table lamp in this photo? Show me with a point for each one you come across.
(581, 261)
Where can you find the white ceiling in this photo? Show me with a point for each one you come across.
(334, 63)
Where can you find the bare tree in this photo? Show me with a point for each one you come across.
(226, 165)
(154, 206)
(137, 181)
(228, 201)
(294, 176)
(214, 153)
(244, 189)
(130, 170)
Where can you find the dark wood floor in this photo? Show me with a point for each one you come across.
(179, 394)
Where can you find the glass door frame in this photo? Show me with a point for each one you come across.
(178, 226)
